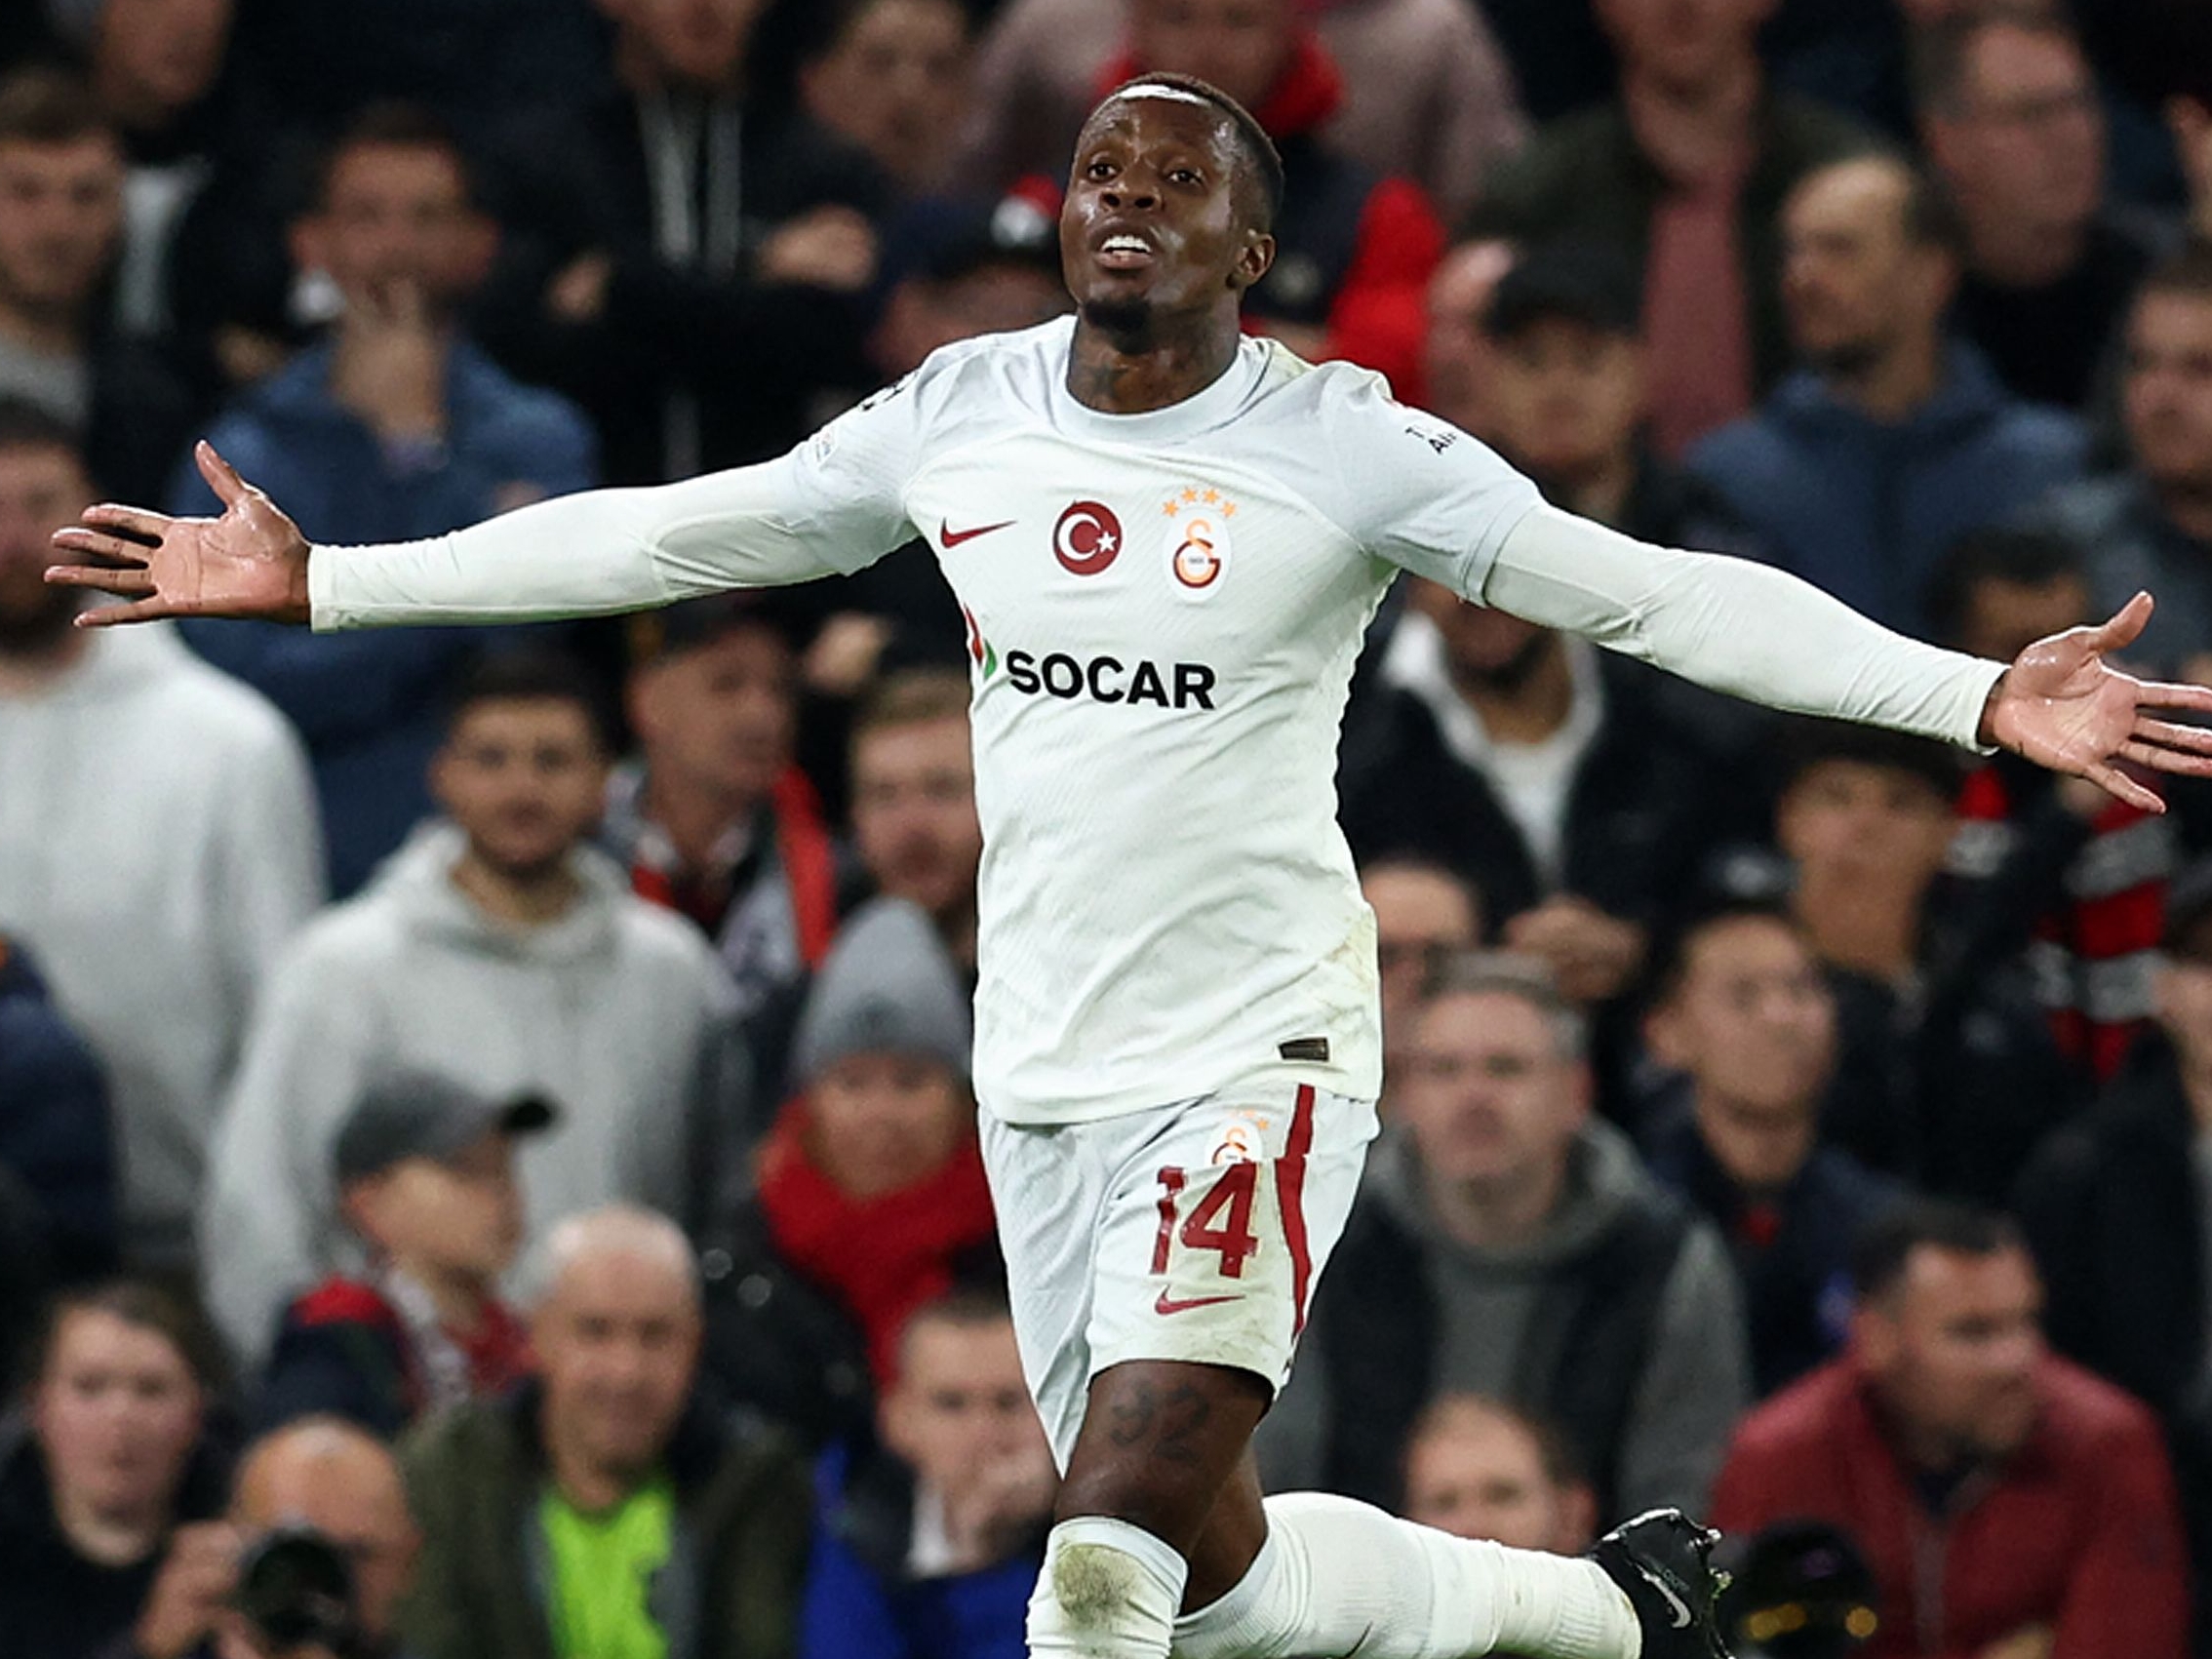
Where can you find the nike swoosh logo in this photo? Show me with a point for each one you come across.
(1171, 1305)
(953, 537)
(1682, 1612)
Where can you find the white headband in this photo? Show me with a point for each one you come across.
(1152, 90)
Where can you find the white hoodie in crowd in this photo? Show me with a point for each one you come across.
(618, 1012)
(158, 846)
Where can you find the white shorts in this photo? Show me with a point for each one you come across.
(1193, 1231)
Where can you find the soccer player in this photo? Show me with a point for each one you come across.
(1168, 539)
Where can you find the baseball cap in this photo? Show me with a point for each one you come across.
(942, 239)
(423, 1115)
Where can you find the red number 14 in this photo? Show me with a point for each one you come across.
(1207, 1228)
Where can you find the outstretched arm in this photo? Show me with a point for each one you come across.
(1762, 634)
(829, 507)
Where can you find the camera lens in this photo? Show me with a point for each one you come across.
(296, 1586)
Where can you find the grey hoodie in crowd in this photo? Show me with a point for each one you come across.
(159, 845)
(617, 1011)
(1696, 1376)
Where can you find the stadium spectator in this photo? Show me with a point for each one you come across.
(713, 821)
(1743, 1013)
(1892, 439)
(1478, 1468)
(930, 1547)
(1570, 400)
(57, 1138)
(1353, 248)
(425, 1178)
(2151, 524)
(914, 820)
(394, 427)
(158, 843)
(1456, 359)
(2189, 117)
(2117, 1209)
(326, 1474)
(871, 1183)
(111, 1482)
(2007, 1501)
(498, 949)
(1949, 1074)
(61, 177)
(1510, 1244)
(890, 78)
(2010, 113)
(674, 261)
(1424, 912)
(1551, 776)
(957, 269)
(2077, 877)
(1428, 95)
(609, 1507)
(1685, 172)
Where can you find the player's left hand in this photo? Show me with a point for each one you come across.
(2064, 706)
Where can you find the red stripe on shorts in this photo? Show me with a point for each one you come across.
(1291, 1196)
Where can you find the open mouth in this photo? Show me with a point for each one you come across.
(1124, 252)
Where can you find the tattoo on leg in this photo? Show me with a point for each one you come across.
(1162, 1426)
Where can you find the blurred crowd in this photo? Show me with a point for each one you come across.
(497, 1102)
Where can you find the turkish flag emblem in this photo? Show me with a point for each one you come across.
(1088, 539)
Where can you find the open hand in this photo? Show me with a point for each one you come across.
(250, 562)
(2062, 705)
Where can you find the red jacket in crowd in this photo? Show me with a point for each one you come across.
(2078, 1533)
(1353, 250)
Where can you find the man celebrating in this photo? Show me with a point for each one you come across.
(1168, 539)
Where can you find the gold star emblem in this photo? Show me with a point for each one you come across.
(1229, 509)
(1213, 496)
(1169, 509)
(1190, 494)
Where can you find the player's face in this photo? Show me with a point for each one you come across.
(618, 1343)
(461, 1214)
(393, 215)
(1481, 1475)
(1239, 46)
(167, 51)
(914, 813)
(1752, 1022)
(60, 215)
(719, 718)
(117, 1411)
(2168, 389)
(1566, 398)
(894, 83)
(1487, 1095)
(1880, 828)
(41, 490)
(1154, 221)
(1954, 1345)
(881, 1121)
(525, 779)
(960, 1412)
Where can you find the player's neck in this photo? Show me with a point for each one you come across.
(526, 898)
(1156, 364)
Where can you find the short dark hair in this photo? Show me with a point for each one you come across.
(1670, 957)
(911, 697)
(394, 123)
(1263, 162)
(27, 425)
(530, 673)
(1584, 283)
(48, 105)
(144, 1306)
(1996, 553)
(1805, 742)
(1884, 1247)
(1943, 51)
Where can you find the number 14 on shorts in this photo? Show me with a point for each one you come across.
(1220, 1220)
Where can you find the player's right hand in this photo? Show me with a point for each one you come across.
(252, 562)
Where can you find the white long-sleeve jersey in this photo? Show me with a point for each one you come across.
(1163, 614)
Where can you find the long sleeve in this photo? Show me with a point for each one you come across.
(1735, 626)
(832, 506)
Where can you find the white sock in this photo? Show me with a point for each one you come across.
(1108, 1591)
(1340, 1577)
